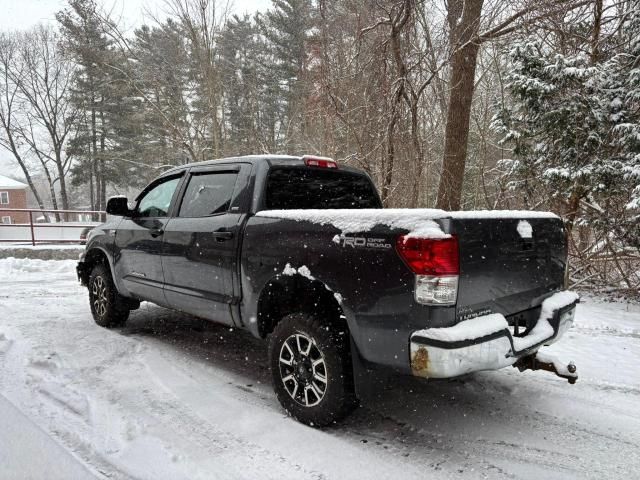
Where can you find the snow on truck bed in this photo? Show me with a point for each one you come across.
(172, 397)
(419, 221)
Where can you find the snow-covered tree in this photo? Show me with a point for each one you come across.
(621, 81)
(574, 125)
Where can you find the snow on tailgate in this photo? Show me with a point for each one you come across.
(418, 221)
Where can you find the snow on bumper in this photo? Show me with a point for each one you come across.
(486, 343)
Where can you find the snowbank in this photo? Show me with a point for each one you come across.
(43, 252)
(11, 265)
(16, 246)
(28, 452)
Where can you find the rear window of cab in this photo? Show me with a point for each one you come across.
(291, 188)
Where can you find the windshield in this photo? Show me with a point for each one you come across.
(304, 188)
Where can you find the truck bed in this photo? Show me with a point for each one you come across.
(507, 266)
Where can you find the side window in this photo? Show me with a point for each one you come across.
(208, 194)
(156, 202)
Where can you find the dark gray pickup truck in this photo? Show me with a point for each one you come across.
(300, 250)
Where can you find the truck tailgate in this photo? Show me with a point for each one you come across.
(507, 265)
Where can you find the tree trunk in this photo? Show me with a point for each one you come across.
(103, 147)
(597, 27)
(32, 187)
(573, 206)
(419, 158)
(397, 24)
(63, 182)
(464, 19)
(92, 197)
(94, 149)
(25, 171)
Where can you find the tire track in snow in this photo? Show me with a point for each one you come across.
(563, 435)
(227, 394)
(464, 454)
(401, 451)
(548, 457)
(159, 405)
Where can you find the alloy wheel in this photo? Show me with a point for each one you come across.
(303, 370)
(99, 294)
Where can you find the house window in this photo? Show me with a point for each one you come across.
(4, 198)
(6, 220)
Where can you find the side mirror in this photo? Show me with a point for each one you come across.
(118, 206)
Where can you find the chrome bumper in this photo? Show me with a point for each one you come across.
(486, 343)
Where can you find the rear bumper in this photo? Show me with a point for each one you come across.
(486, 343)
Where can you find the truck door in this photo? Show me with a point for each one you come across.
(201, 243)
(139, 240)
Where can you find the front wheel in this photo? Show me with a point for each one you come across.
(311, 369)
(108, 307)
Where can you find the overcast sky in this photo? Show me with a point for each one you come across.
(21, 14)
(24, 14)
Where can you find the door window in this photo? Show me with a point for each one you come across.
(208, 194)
(156, 202)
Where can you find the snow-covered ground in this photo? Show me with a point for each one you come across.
(172, 397)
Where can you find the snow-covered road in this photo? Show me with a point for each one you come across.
(172, 397)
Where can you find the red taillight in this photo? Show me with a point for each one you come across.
(428, 256)
(322, 162)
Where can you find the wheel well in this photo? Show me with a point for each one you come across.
(93, 257)
(297, 294)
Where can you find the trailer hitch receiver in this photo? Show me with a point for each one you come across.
(549, 363)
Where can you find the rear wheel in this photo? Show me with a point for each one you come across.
(108, 307)
(311, 368)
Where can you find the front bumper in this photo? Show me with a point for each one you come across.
(486, 343)
(82, 271)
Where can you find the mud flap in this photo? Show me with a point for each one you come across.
(369, 383)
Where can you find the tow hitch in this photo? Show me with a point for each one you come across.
(543, 361)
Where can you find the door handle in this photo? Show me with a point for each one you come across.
(222, 235)
(156, 232)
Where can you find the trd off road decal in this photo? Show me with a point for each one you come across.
(362, 242)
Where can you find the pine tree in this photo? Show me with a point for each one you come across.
(574, 127)
(240, 51)
(621, 88)
(163, 74)
(288, 27)
(85, 42)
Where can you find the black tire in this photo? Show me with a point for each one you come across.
(298, 384)
(108, 307)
